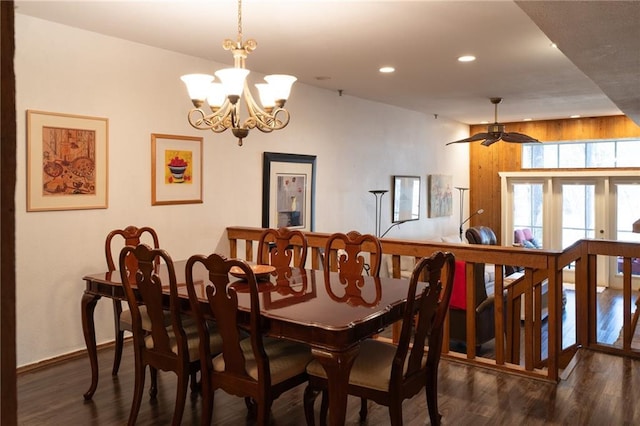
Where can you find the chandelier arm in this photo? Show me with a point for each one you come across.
(265, 121)
(218, 121)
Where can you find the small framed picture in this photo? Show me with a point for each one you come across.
(67, 167)
(176, 169)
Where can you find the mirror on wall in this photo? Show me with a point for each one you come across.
(406, 198)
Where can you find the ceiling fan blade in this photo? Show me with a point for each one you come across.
(476, 137)
(518, 138)
(491, 140)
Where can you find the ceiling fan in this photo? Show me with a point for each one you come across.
(495, 132)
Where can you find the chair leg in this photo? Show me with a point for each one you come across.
(324, 407)
(363, 409)
(395, 412)
(117, 310)
(181, 397)
(137, 390)
(207, 402)
(310, 395)
(251, 407)
(264, 413)
(432, 398)
(153, 389)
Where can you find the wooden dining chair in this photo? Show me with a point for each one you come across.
(388, 374)
(257, 368)
(172, 347)
(131, 236)
(275, 248)
(343, 253)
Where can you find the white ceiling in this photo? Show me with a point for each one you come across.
(595, 71)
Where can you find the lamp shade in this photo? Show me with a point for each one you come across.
(232, 80)
(197, 85)
(267, 96)
(281, 85)
(216, 95)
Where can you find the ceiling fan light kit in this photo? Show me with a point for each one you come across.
(495, 132)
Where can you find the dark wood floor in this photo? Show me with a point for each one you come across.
(601, 389)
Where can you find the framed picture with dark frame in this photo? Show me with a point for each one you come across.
(288, 191)
(406, 198)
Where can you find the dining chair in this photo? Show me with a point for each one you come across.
(257, 368)
(275, 248)
(131, 236)
(173, 347)
(387, 374)
(343, 253)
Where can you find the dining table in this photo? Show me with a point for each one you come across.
(321, 309)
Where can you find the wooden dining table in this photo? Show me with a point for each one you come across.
(302, 305)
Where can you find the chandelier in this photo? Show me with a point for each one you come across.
(224, 98)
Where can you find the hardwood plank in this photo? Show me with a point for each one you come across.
(601, 389)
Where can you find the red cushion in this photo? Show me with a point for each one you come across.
(459, 292)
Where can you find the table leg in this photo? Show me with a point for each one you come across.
(337, 365)
(89, 302)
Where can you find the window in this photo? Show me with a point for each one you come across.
(582, 154)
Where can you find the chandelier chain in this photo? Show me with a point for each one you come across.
(239, 22)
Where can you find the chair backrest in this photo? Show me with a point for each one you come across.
(149, 291)
(223, 302)
(349, 262)
(431, 309)
(132, 236)
(283, 252)
(481, 235)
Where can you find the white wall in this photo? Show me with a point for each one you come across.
(359, 145)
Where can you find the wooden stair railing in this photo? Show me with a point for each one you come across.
(539, 265)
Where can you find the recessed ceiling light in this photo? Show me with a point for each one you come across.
(467, 58)
(552, 44)
(387, 70)
(526, 119)
(575, 116)
(484, 122)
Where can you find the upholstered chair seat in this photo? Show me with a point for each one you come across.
(286, 359)
(372, 367)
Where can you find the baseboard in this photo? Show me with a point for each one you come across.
(65, 357)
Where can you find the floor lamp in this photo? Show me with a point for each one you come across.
(378, 193)
(461, 189)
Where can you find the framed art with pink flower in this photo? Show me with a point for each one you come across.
(176, 169)
(288, 189)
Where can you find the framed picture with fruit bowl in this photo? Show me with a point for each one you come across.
(176, 169)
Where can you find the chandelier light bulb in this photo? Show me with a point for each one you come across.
(267, 95)
(281, 86)
(233, 80)
(216, 95)
(197, 86)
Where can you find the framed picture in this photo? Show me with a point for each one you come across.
(176, 169)
(288, 191)
(406, 198)
(67, 161)
(440, 196)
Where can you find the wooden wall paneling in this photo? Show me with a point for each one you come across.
(8, 388)
(486, 162)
